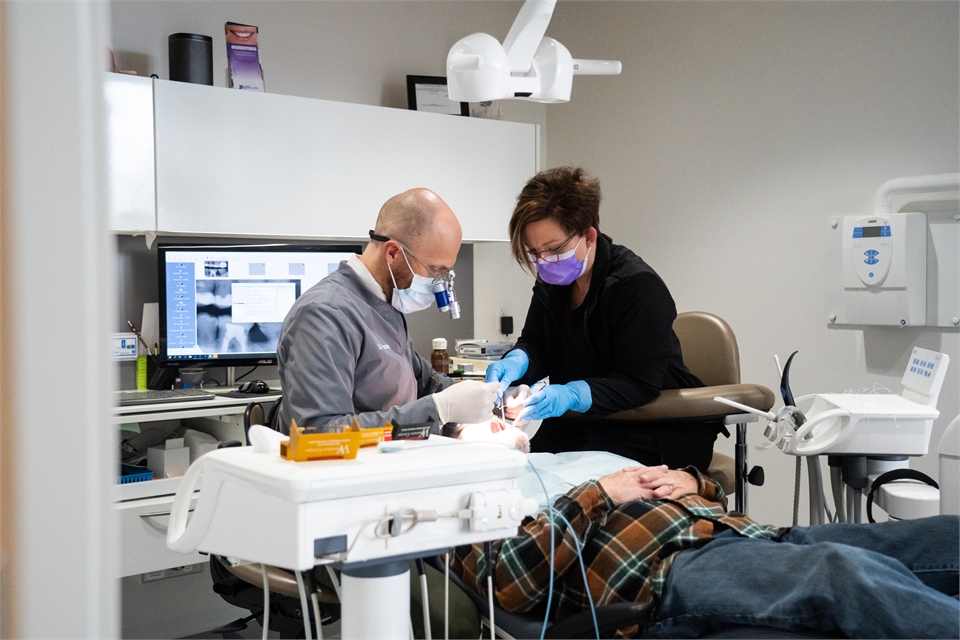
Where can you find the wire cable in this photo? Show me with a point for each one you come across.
(308, 580)
(796, 494)
(493, 625)
(550, 510)
(266, 600)
(247, 373)
(415, 516)
(836, 487)
(446, 596)
(583, 572)
(425, 600)
(304, 609)
(315, 601)
(488, 558)
(336, 583)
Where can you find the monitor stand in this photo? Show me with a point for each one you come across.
(231, 373)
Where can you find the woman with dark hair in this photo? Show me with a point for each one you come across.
(600, 325)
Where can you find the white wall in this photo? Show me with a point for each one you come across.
(734, 131)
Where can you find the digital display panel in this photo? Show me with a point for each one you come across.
(878, 231)
(224, 305)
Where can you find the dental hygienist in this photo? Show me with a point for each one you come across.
(344, 347)
(600, 325)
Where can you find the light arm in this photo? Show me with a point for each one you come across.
(524, 37)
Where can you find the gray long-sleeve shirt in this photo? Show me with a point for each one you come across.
(344, 351)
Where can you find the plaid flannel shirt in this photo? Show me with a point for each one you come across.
(627, 549)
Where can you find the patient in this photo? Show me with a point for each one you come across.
(650, 534)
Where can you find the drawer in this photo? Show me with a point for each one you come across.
(143, 537)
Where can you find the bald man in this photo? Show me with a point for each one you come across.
(344, 349)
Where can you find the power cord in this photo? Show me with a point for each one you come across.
(247, 373)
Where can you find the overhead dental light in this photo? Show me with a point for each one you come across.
(527, 66)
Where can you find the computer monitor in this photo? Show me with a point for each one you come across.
(223, 305)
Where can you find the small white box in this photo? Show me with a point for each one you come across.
(170, 460)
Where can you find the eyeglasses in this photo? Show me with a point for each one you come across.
(437, 275)
(550, 255)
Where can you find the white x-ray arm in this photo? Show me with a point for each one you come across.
(526, 33)
(528, 66)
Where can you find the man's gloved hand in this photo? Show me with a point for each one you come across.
(469, 401)
(556, 399)
(510, 368)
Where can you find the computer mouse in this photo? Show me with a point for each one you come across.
(254, 386)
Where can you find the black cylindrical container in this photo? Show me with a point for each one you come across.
(191, 58)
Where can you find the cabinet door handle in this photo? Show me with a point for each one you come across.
(156, 526)
(159, 514)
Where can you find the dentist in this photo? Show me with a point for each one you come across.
(344, 348)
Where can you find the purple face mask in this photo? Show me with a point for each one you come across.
(565, 270)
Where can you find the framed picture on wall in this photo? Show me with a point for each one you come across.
(429, 93)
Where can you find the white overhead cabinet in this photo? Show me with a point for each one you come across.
(129, 109)
(247, 163)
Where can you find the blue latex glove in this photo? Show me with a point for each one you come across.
(556, 399)
(510, 368)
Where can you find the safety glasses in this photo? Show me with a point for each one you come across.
(437, 275)
(552, 255)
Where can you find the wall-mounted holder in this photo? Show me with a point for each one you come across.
(895, 269)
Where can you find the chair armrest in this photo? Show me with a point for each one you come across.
(698, 403)
(609, 618)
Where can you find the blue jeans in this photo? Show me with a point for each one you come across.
(883, 580)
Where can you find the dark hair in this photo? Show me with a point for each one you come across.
(568, 195)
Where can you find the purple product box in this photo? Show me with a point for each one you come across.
(243, 54)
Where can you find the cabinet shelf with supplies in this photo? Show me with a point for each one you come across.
(143, 507)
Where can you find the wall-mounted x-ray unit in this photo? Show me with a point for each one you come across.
(896, 269)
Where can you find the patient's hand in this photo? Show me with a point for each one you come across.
(634, 483)
(680, 483)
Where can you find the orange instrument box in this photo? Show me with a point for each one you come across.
(304, 447)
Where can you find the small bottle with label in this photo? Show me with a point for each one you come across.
(439, 358)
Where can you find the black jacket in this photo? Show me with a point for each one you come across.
(620, 340)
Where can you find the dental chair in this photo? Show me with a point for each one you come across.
(711, 353)
(242, 586)
(621, 615)
(256, 414)
(529, 625)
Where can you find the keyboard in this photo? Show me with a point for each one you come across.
(149, 396)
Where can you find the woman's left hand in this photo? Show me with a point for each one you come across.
(556, 399)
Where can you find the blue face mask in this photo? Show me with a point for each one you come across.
(417, 297)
